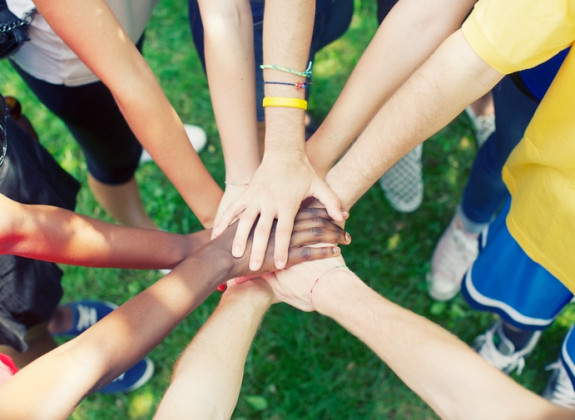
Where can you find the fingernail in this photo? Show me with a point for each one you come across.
(254, 265)
(345, 214)
(222, 287)
(280, 264)
(237, 251)
(335, 250)
(347, 237)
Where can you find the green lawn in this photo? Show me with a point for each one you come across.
(302, 366)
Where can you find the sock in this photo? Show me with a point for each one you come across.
(519, 338)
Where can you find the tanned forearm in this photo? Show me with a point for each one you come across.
(93, 33)
(53, 234)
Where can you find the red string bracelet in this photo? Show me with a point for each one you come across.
(318, 278)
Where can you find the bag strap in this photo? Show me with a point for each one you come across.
(3, 128)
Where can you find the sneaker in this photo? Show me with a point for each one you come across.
(196, 135)
(131, 379)
(402, 184)
(483, 125)
(559, 389)
(500, 352)
(453, 255)
(86, 313)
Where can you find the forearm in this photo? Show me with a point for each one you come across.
(453, 77)
(208, 376)
(54, 234)
(406, 38)
(62, 377)
(288, 28)
(426, 357)
(228, 32)
(94, 34)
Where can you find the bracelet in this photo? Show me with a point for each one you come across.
(306, 73)
(297, 85)
(237, 184)
(285, 101)
(319, 277)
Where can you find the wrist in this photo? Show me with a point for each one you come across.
(333, 291)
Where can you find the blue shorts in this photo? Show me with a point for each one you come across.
(506, 281)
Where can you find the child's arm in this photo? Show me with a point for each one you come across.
(51, 386)
(58, 235)
(208, 376)
(91, 30)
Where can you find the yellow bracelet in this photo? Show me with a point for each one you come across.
(285, 101)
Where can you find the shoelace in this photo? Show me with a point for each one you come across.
(86, 317)
(484, 343)
(563, 392)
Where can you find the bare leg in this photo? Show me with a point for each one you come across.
(39, 341)
(122, 202)
(483, 105)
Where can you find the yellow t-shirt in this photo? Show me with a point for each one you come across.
(512, 35)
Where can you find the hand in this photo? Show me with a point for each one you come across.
(231, 195)
(312, 226)
(295, 285)
(276, 192)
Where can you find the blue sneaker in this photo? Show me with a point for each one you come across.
(86, 313)
(131, 379)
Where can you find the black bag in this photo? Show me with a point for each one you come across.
(13, 30)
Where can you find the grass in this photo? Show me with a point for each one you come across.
(301, 366)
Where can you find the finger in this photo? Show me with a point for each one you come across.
(312, 213)
(283, 233)
(316, 234)
(305, 253)
(245, 225)
(331, 202)
(260, 241)
(227, 217)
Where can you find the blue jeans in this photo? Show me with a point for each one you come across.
(485, 191)
(332, 18)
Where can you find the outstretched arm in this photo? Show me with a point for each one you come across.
(452, 78)
(53, 234)
(131, 331)
(425, 356)
(208, 376)
(93, 33)
(285, 177)
(405, 39)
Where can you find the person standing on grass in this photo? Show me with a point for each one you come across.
(31, 289)
(70, 90)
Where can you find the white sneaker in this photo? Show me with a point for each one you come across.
(483, 125)
(559, 389)
(452, 257)
(196, 135)
(500, 352)
(403, 183)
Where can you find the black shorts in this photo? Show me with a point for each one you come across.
(111, 150)
(30, 290)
